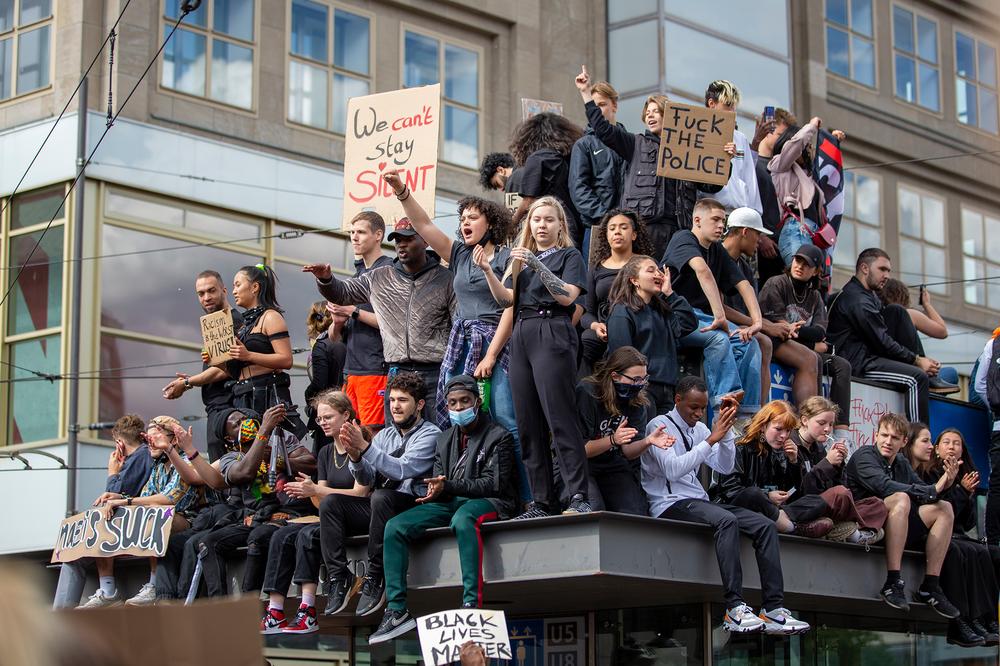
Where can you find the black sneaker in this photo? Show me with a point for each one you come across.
(534, 510)
(578, 504)
(394, 623)
(941, 387)
(372, 596)
(895, 596)
(990, 636)
(337, 594)
(961, 633)
(936, 600)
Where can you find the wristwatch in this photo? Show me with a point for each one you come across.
(356, 314)
(187, 383)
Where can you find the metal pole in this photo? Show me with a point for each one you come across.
(72, 413)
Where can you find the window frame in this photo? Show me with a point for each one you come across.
(917, 60)
(976, 38)
(986, 260)
(164, 23)
(900, 235)
(855, 219)
(330, 67)
(480, 110)
(14, 35)
(849, 29)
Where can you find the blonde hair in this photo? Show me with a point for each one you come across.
(604, 88)
(815, 406)
(723, 92)
(526, 240)
(316, 328)
(660, 101)
(165, 423)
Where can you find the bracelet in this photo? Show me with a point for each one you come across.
(128, 502)
(404, 195)
(194, 455)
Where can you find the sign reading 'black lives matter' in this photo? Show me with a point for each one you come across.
(133, 530)
(442, 634)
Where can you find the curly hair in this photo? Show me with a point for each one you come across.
(500, 223)
(408, 382)
(601, 249)
(776, 410)
(488, 167)
(545, 130)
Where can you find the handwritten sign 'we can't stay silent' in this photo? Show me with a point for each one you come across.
(393, 130)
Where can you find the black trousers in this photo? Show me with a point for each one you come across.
(839, 370)
(804, 509)
(729, 521)
(429, 372)
(170, 568)
(968, 578)
(615, 489)
(993, 495)
(910, 377)
(592, 350)
(542, 372)
(223, 543)
(308, 555)
(343, 516)
(281, 555)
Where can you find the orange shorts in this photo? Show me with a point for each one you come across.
(367, 394)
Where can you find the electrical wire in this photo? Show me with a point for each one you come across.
(918, 160)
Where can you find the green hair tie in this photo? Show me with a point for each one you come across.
(260, 266)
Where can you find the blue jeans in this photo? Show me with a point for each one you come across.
(730, 363)
(793, 236)
(501, 409)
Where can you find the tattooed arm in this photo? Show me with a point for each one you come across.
(565, 294)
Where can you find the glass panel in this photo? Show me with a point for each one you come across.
(972, 233)
(630, 111)
(36, 299)
(37, 207)
(849, 194)
(34, 10)
(928, 86)
(126, 387)
(125, 304)
(965, 56)
(351, 42)
(992, 235)
(933, 217)
(909, 212)
(762, 22)
(6, 15)
(33, 59)
(911, 267)
(665, 635)
(863, 61)
(993, 286)
(129, 208)
(987, 64)
(309, 28)
(333, 249)
(232, 74)
(184, 62)
(344, 88)
(935, 268)
(5, 64)
(461, 136)
(307, 94)
(927, 39)
(461, 75)
(34, 405)
(965, 100)
(867, 237)
(845, 252)
(861, 17)
(906, 78)
(222, 227)
(902, 29)
(628, 67)
(421, 60)
(975, 292)
(197, 17)
(620, 10)
(988, 110)
(836, 10)
(296, 294)
(234, 18)
(868, 199)
(837, 52)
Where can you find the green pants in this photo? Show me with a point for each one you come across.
(464, 516)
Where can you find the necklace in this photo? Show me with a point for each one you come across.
(341, 465)
(795, 292)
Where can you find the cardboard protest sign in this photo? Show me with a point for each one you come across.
(442, 634)
(217, 335)
(691, 144)
(532, 107)
(133, 530)
(393, 130)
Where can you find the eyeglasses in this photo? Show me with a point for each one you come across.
(635, 380)
(326, 419)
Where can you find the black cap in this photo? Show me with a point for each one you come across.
(403, 229)
(812, 255)
(462, 383)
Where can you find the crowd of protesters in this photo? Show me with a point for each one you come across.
(532, 365)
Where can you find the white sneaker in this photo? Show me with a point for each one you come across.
(780, 621)
(146, 596)
(741, 620)
(866, 536)
(98, 600)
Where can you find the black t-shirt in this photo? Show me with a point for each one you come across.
(732, 297)
(596, 422)
(598, 291)
(216, 396)
(332, 467)
(683, 247)
(364, 342)
(566, 263)
(545, 173)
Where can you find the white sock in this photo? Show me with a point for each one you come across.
(276, 605)
(308, 599)
(152, 577)
(108, 586)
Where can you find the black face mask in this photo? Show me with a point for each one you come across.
(628, 391)
(408, 423)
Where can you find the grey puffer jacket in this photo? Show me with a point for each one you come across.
(413, 310)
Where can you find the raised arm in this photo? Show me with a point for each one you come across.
(614, 137)
(422, 223)
(353, 291)
(244, 470)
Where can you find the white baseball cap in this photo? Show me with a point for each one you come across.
(748, 218)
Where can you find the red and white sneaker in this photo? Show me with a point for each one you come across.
(304, 622)
(273, 622)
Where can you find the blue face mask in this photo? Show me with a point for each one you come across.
(463, 417)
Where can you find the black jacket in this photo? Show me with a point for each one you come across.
(962, 503)
(857, 329)
(595, 178)
(653, 333)
(771, 471)
(869, 474)
(818, 473)
(485, 471)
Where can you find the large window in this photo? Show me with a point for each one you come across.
(427, 60)
(32, 332)
(25, 46)
(915, 51)
(212, 53)
(976, 82)
(860, 227)
(850, 40)
(747, 43)
(922, 255)
(981, 257)
(329, 62)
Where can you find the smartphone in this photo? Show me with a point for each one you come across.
(791, 491)
(768, 114)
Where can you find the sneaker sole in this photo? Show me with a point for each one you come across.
(343, 606)
(937, 610)
(144, 602)
(272, 630)
(409, 625)
(309, 630)
(945, 391)
(736, 629)
(375, 607)
(952, 641)
(783, 630)
(114, 604)
(904, 607)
